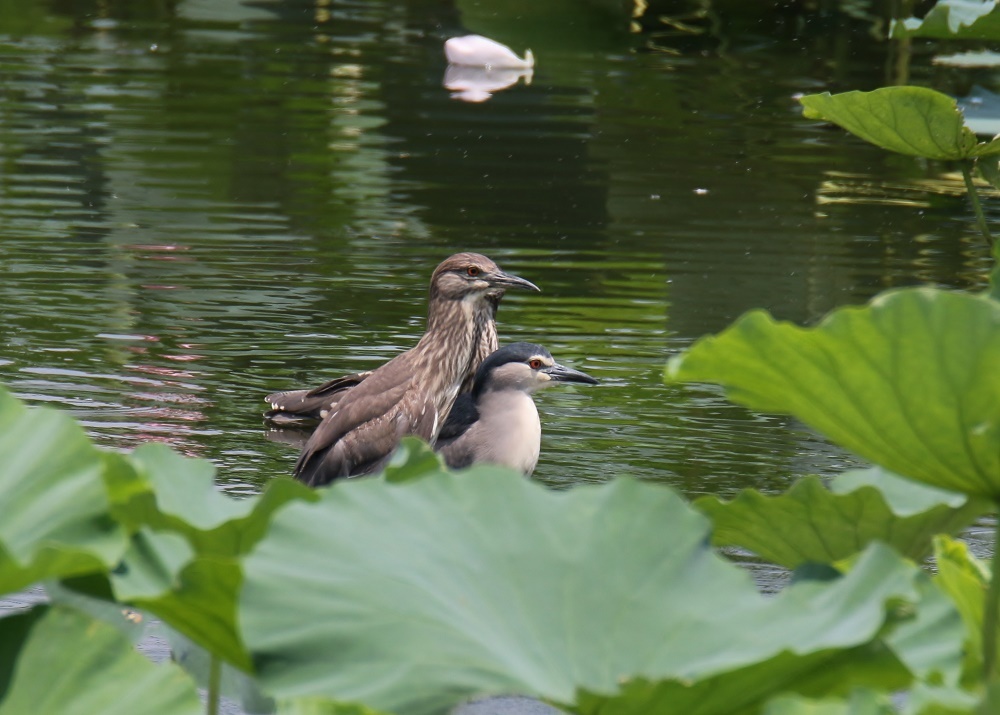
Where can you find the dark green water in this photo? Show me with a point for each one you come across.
(202, 201)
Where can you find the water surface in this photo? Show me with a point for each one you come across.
(201, 202)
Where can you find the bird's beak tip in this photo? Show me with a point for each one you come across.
(561, 373)
(508, 280)
(526, 284)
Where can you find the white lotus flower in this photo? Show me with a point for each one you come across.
(479, 51)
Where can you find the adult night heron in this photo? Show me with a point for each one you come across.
(308, 407)
(413, 393)
(497, 422)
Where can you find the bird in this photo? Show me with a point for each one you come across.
(497, 422)
(306, 408)
(413, 393)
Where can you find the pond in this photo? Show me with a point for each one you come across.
(204, 201)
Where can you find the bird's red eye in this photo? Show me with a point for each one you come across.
(534, 363)
(473, 271)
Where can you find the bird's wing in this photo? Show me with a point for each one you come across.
(459, 453)
(295, 406)
(371, 412)
(457, 440)
(368, 447)
(339, 384)
(381, 409)
(462, 416)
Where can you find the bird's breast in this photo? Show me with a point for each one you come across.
(509, 430)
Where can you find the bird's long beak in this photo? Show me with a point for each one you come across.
(508, 280)
(561, 373)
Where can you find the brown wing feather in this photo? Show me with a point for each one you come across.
(368, 447)
(302, 406)
(374, 401)
(339, 384)
(361, 450)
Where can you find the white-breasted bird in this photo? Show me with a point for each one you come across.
(497, 422)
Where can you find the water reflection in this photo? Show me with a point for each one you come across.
(477, 84)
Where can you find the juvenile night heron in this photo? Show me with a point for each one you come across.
(413, 393)
(308, 407)
(497, 422)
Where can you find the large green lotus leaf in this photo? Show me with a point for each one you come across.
(58, 660)
(198, 663)
(196, 595)
(742, 692)
(413, 459)
(185, 487)
(860, 702)
(182, 497)
(202, 606)
(965, 579)
(926, 699)
(909, 382)
(910, 120)
(131, 623)
(994, 289)
(321, 706)
(809, 523)
(409, 597)
(55, 509)
(151, 565)
(928, 644)
(922, 700)
(183, 569)
(932, 643)
(954, 19)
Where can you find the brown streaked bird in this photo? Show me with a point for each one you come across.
(413, 393)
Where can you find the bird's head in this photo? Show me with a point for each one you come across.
(471, 276)
(526, 367)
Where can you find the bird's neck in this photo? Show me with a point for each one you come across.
(460, 333)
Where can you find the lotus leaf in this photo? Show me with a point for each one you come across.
(70, 664)
(810, 523)
(413, 459)
(965, 579)
(909, 120)
(196, 595)
(182, 497)
(860, 702)
(937, 700)
(321, 706)
(55, 506)
(410, 597)
(908, 382)
(994, 289)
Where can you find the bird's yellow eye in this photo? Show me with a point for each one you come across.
(472, 271)
(534, 363)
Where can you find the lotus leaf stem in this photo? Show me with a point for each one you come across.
(214, 680)
(977, 206)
